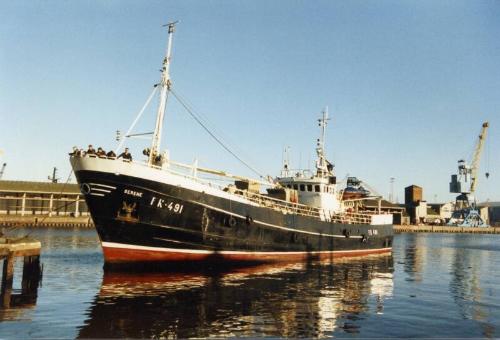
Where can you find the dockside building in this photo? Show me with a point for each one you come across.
(41, 198)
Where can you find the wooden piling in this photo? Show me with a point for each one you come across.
(8, 268)
(10, 249)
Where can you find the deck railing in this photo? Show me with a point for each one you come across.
(262, 200)
(305, 210)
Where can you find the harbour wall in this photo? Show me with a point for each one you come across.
(445, 229)
(12, 221)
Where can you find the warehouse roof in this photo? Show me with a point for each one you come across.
(39, 187)
(373, 203)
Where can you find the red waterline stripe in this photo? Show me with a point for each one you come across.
(126, 253)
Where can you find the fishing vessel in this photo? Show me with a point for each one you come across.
(354, 190)
(158, 210)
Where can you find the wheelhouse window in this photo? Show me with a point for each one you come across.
(317, 188)
(302, 187)
(309, 187)
(296, 186)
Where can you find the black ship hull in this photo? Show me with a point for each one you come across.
(143, 220)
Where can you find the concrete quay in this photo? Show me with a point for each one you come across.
(445, 229)
(46, 221)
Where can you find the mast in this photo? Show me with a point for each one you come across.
(164, 84)
(322, 165)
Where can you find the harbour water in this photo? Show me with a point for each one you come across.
(433, 285)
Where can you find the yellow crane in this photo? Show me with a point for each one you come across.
(465, 183)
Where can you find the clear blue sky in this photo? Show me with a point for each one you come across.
(408, 84)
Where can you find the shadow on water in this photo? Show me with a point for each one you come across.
(311, 299)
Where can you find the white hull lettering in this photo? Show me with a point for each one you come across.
(167, 205)
(132, 193)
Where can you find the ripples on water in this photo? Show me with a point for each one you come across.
(434, 285)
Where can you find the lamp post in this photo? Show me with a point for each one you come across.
(391, 195)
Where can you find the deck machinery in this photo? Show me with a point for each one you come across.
(466, 213)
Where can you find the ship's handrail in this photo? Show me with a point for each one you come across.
(305, 210)
(281, 205)
(216, 172)
(262, 200)
(277, 204)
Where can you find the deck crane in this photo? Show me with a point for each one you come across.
(464, 183)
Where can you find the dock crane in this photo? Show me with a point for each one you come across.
(464, 183)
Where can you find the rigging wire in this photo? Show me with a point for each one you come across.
(117, 150)
(371, 189)
(222, 136)
(198, 120)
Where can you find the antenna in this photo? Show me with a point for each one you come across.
(322, 122)
(323, 167)
(391, 196)
(286, 161)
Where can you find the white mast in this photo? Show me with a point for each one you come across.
(165, 84)
(322, 163)
(286, 162)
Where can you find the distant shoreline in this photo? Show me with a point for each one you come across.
(445, 229)
(43, 221)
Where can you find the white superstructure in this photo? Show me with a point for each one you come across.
(318, 189)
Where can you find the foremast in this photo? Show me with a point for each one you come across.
(165, 85)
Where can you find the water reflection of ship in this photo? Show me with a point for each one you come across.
(287, 300)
